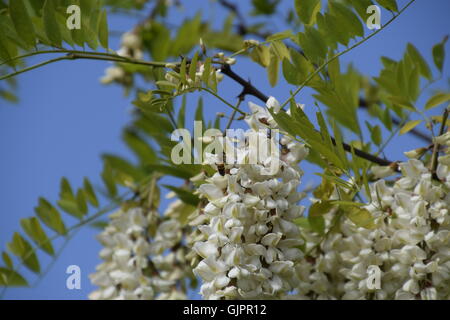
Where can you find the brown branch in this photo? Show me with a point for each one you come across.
(249, 89)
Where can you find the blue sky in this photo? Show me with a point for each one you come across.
(65, 119)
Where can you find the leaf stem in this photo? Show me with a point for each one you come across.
(233, 114)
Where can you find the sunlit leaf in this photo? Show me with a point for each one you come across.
(22, 249)
(307, 10)
(437, 99)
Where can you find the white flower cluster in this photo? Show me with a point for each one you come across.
(136, 265)
(251, 243)
(131, 47)
(410, 243)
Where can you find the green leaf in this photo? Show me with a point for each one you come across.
(140, 147)
(361, 217)
(5, 48)
(320, 208)
(409, 126)
(267, 7)
(375, 133)
(81, 202)
(184, 195)
(125, 172)
(348, 20)
(108, 180)
(50, 216)
(280, 35)
(89, 192)
(272, 70)
(183, 71)
(7, 260)
(51, 25)
(439, 54)
(175, 171)
(33, 229)
(100, 225)
(437, 99)
(280, 50)
(22, 22)
(420, 61)
(22, 249)
(199, 111)
(302, 223)
(307, 10)
(70, 206)
(297, 71)
(389, 5)
(68, 201)
(10, 278)
(103, 34)
(313, 44)
(402, 102)
(261, 55)
(206, 71)
(317, 224)
(193, 67)
(65, 189)
(291, 75)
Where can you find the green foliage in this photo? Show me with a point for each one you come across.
(307, 58)
(22, 22)
(298, 125)
(184, 195)
(264, 7)
(436, 100)
(409, 126)
(75, 204)
(33, 229)
(400, 81)
(23, 249)
(388, 4)
(10, 278)
(307, 10)
(439, 54)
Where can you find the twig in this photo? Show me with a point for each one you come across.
(247, 87)
(77, 56)
(233, 114)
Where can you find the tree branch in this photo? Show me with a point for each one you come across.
(247, 87)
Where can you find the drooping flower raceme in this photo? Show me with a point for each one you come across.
(250, 241)
(144, 257)
(409, 243)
